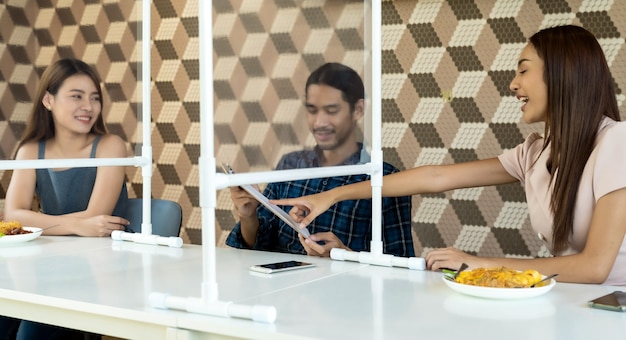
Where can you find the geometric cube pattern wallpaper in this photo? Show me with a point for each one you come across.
(446, 67)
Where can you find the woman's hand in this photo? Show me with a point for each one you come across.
(306, 208)
(329, 239)
(101, 226)
(451, 258)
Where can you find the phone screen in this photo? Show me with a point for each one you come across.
(280, 266)
(615, 301)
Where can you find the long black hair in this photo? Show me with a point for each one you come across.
(581, 92)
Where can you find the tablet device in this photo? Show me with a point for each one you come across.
(271, 207)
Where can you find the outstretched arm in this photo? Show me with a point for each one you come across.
(420, 180)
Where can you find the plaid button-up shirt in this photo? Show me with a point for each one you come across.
(350, 221)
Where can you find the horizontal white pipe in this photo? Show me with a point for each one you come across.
(172, 241)
(72, 163)
(223, 181)
(385, 260)
(225, 309)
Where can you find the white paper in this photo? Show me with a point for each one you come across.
(272, 207)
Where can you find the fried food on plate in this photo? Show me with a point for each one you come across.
(12, 228)
(500, 277)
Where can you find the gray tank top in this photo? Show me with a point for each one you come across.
(68, 191)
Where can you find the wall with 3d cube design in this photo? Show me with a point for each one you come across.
(446, 70)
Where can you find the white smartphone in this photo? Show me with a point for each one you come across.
(271, 207)
(277, 267)
(615, 301)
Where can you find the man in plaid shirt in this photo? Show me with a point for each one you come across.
(335, 103)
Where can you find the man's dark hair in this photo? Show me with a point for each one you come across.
(340, 77)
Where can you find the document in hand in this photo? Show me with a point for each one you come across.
(271, 207)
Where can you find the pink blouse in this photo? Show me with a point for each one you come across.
(604, 172)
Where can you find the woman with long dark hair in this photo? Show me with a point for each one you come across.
(574, 175)
(66, 122)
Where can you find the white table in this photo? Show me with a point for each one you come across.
(102, 286)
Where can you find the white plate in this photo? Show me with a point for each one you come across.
(499, 309)
(10, 239)
(499, 293)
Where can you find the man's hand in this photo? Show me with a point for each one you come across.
(245, 204)
(315, 249)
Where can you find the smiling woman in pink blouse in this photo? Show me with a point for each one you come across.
(574, 175)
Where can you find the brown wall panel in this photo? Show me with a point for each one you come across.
(446, 68)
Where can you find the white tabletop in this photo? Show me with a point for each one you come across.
(102, 285)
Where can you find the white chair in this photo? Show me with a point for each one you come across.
(166, 216)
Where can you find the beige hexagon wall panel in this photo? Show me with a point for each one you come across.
(445, 97)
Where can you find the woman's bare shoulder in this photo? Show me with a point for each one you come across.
(28, 150)
(111, 145)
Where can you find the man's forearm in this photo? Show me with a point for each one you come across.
(249, 229)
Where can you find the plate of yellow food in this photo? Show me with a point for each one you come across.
(499, 283)
(13, 232)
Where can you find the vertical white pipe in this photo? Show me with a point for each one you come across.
(376, 247)
(146, 112)
(206, 163)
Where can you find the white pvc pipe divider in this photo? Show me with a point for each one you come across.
(376, 256)
(146, 236)
(210, 182)
(208, 303)
(144, 160)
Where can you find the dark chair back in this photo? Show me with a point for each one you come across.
(166, 216)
